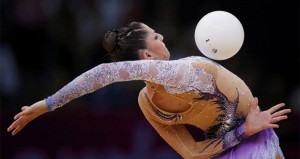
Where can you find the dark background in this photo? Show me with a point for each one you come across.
(47, 43)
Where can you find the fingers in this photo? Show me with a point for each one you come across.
(15, 131)
(273, 126)
(17, 126)
(18, 129)
(281, 112)
(23, 112)
(277, 119)
(14, 125)
(276, 107)
(11, 127)
(22, 119)
(16, 117)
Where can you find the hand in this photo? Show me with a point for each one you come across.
(26, 115)
(257, 121)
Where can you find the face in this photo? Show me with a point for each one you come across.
(156, 49)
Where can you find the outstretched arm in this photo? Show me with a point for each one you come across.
(98, 77)
(161, 72)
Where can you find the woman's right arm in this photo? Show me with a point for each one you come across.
(26, 115)
(161, 72)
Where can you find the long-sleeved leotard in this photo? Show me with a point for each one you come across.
(177, 76)
(219, 101)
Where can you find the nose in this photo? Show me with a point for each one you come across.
(161, 38)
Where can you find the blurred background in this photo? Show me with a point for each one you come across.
(47, 43)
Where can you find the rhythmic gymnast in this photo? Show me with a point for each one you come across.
(192, 90)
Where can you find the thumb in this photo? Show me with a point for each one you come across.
(254, 103)
(24, 107)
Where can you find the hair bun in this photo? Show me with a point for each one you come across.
(109, 41)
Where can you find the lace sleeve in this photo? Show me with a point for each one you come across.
(167, 73)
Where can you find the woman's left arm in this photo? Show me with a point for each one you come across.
(257, 120)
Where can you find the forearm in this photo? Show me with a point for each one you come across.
(87, 82)
(234, 137)
(69, 92)
(180, 139)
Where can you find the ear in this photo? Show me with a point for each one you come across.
(145, 55)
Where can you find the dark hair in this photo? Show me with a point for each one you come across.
(123, 44)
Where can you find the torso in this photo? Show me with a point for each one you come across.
(208, 111)
(169, 104)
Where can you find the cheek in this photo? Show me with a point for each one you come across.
(160, 46)
(155, 46)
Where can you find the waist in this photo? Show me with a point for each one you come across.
(264, 144)
(152, 111)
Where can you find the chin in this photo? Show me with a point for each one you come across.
(167, 55)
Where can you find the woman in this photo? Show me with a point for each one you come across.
(192, 90)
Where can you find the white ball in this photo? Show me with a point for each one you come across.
(219, 35)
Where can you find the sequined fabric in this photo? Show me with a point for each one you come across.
(218, 99)
(263, 145)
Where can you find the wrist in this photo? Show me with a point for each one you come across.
(40, 106)
(242, 131)
(246, 129)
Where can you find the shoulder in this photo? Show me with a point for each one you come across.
(196, 58)
(199, 59)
